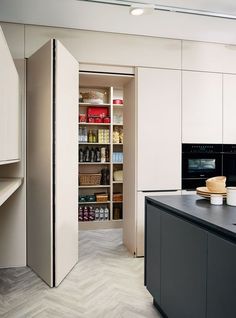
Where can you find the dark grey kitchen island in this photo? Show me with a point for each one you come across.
(190, 257)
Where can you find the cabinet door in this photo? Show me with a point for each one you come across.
(159, 129)
(183, 268)
(229, 109)
(153, 251)
(201, 107)
(221, 278)
(52, 157)
(9, 106)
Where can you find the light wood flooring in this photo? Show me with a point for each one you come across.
(106, 283)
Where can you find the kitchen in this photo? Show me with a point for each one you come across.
(166, 63)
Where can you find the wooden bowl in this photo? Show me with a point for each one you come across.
(216, 184)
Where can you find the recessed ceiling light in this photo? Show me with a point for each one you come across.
(140, 9)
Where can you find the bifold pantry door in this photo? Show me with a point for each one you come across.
(52, 162)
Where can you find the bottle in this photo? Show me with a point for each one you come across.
(101, 216)
(81, 214)
(92, 155)
(80, 134)
(105, 179)
(107, 154)
(103, 154)
(87, 158)
(95, 139)
(106, 213)
(81, 155)
(98, 155)
(90, 136)
(97, 214)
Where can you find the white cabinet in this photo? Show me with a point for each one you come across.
(208, 57)
(201, 107)
(158, 129)
(229, 109)
(9, 106)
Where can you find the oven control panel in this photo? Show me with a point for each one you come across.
(201, 148)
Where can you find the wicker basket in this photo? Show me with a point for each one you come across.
(89, 179)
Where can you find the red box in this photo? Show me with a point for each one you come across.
(91, 120)
(97, 112)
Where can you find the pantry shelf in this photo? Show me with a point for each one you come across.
(95, 225)
(95, 202)
(94, 186)
(94, 105)
(118, 182)
(94, 163)
(93, 143)
(94, 124)
(7, 187)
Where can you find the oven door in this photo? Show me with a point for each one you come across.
(197, 167)
(229, 169)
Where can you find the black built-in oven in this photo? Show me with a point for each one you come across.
(200, 162)
(229, 164)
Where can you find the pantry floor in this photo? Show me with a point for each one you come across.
(107, 282)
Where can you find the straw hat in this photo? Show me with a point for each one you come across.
(216, 184)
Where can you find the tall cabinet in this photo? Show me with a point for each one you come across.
(152, 146)
(52, 162)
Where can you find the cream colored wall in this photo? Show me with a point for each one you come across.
(13, 211)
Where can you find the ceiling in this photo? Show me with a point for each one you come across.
(217, 7)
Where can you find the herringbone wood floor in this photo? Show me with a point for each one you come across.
(106, 283)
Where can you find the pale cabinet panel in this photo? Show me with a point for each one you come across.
(229, 109)
(211, 57)
(9, 105)
(201, 107)
(159, 129)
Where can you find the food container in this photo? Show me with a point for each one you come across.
(98, 120)
(82, 118)
(216, 184)
(93, 97)
(231, 196)
(91, 119)
(118, 175)
(106, 120)
(97, 112)
(118, 101)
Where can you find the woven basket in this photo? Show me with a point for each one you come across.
(87, 179)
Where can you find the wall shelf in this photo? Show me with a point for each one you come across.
(94, 105)
(94, 124)
(7, 187)
(94, 163)
(94, 186)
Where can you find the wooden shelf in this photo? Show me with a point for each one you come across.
(94, 186)
(94, 105)
(118, 105)
(117, 163)
(117, 202)
(95, 202)
(115, 144)
(117, 182)
(94, 163)
(95, 124)
(114, 124)
(7, 187)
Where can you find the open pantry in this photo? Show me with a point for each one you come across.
(101, 140)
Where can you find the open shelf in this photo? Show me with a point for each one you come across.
(95, 143)
(95, 124)
(94, 163)
(7, 187)
(117, 182)
(94, 186)
(117, 202)
(94, 105)
(114, 124)
(115, 144)
(95, 202)
(118, 105)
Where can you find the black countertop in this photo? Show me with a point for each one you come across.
(218, 218)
